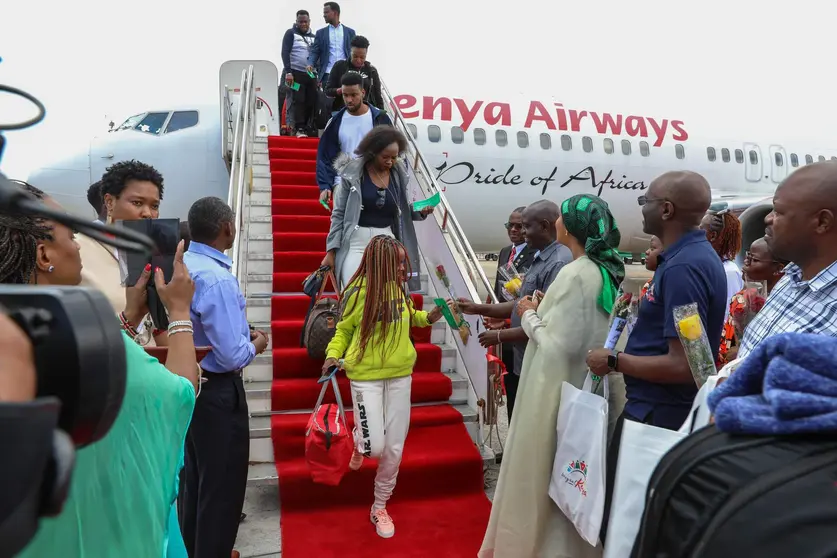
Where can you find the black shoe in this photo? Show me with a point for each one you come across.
(243, 515)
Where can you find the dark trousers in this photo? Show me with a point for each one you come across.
(215, 472)
(305, 99)
(511, 381)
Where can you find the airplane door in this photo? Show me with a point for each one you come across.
(753, 163)
(778, 163)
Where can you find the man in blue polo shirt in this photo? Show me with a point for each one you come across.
(658, 382)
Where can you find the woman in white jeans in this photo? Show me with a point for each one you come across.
(371, 199)
(373, 338)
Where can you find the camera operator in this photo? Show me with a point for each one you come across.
(124, 485)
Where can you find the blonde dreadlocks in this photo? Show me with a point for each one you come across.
(385, 292)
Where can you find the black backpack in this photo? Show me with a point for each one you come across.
(717, 495)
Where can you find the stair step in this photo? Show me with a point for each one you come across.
(292, 142)
(298, 154)
(291, 165)
(298, 207)
(294, 178)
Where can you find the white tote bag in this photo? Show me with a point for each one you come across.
(578, 472)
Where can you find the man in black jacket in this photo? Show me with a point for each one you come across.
(520, 254)
(296, 46)
(356, 64)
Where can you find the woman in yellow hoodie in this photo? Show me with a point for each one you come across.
(373, 338)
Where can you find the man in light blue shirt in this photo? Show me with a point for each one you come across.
(218, 442)
(331, 44)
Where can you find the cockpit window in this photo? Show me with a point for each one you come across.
(130, 122)
(152, 123)
(181, 120)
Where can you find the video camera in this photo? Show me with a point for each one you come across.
(81, 372)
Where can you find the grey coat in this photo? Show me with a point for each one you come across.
(348, 205)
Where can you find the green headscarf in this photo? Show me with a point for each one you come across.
(589, 220)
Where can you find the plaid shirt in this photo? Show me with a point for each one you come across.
(796, 306)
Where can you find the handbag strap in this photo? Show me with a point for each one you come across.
(588, 384)
(329, 275)
(337, 397)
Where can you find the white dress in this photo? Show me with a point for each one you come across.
(525, 522)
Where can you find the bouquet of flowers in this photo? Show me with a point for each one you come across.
(692, 334)
(512, 281)
(618, 319)
(452, 315)
(745, 305)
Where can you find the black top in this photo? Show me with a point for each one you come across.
(371, 83)
(374, 214)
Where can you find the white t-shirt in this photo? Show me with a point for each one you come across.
(735, 281)
(352, 130)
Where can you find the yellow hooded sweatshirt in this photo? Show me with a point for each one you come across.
(400, 352)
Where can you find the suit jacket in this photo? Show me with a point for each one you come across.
(522, 262)
(318, 58)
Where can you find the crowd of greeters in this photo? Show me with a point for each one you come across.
(169, 477)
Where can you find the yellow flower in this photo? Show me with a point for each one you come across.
(513, 286)
(690, 327)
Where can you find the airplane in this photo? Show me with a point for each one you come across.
(489, 156)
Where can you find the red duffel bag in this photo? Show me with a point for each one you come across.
(328, 441)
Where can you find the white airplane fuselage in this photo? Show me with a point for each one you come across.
(489, 157)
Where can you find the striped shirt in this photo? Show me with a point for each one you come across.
(796, 306)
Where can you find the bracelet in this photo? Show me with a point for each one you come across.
(180, 330)
(178, 323)
(126, 325)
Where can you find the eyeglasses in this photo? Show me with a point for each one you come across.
(382, 198)
(643, 200)
(515, 226)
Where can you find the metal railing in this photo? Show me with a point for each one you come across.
(227, 129)
(240, 166)
(449, 223)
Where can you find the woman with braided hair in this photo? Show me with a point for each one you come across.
(570, 320)
(373, 338)
(723, 231)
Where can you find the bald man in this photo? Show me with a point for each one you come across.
(801, 228)
(539, 226)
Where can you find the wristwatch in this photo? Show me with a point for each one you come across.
(613, 360)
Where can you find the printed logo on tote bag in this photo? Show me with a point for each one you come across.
(576, 475)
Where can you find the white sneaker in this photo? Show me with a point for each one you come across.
(301, 134)
(383, 523)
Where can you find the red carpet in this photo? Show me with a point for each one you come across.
(438, 506)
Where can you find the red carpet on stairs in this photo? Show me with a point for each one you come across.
(439, 506)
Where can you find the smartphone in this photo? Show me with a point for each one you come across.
(537, 296)
(294, 86)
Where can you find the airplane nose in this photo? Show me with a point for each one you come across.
(66, 179)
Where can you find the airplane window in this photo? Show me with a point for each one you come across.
(501, 138)
(608, 146)
(587, 144)
(643, 149)
(152, 123)
(725, 155)
(546, 141)
(679, 151)
(522, 139)
(626, 147)
(821, 159)
(739, 156)
(479, 136)
(413, 130)
(181, 120)
(566, 142)
(434, 133)
(754, 158)
(780, 161)
(457, 135)
(794, 160)
(130, 122)
(809, 160)
(710, 153)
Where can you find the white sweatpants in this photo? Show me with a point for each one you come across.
(382, 419)
(357, 245)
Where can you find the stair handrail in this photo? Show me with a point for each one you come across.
(244, 148)
(450, 223)
(227, 129)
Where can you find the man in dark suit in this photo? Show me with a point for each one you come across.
(332, 43)
(521, 255)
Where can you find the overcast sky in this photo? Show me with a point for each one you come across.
(745, 70)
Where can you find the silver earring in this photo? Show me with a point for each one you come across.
(50, 269)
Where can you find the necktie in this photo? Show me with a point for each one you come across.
(511, 256)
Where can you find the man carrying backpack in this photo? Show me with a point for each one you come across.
(302, 88)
